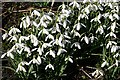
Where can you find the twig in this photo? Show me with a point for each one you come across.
(85, 73)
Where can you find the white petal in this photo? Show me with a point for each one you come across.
(52, 53)
(3, 55)
(86, 39)
(39, 59)
(70, 60)
(4, 36)
(103, 64)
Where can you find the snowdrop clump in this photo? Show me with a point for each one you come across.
(47, 41)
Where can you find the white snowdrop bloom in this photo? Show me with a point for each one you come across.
(110, 43)
(13, 38)
(117, 63)
(22, 38)
(104, 63)
(45, 45)
(9, 53)
(69, 59)
(27, 49)
(100, 7)
(14, 31)
(57, 27)
(97, 73)
(85, 1)
(116, 55)
(19, 45)
(105, 15)
(77, 26)
(4, 36)
(86, 39)
(97, 18)
(35, 24)
(40, 51)
(116, 16)
(49, 37)
(35, 12)
(52, 53)
(100, 30)
(24, 63)
(76, 44)
(45, 31)
(77, 34)
(28, 21)
(113, 26)
(111, 34)
(20, 68)
(34, 39)
(64, 23)
(114, 48)
(110, 5)
(94, 0)
(111, 17)
(35, 61)
(39, 60)
(20, 51)
(49, 66)
(87, 9)
(61, 51)
(75, 4)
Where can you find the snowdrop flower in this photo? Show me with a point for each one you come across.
(69, 59)
(49, 66)
(45, 45)
(57, 27)
(22, 38)
(116, 55)
(77, 26)
(97, 73)
(75, 33)
(97, 18)
(77, 44)
(20, 51)
(52, 53)
(111, 34)
(113, 26)
(13, 38)
(111, 17)
(4, 36)
(85, 1)
(36, 61)
(116, 16)
(50, 37)
(105, 15)
(35, 12)
(100, 30)
(35, 24)
(34, 39)
(114, 48)
(40, 51)
(117, 63)
(28, 21)
(9, 53)
(14, 31)
(61, 51)
(27, 49)
(75, 4)
(104, 63)
(110, 43)
(20, 68)
(86, 39)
